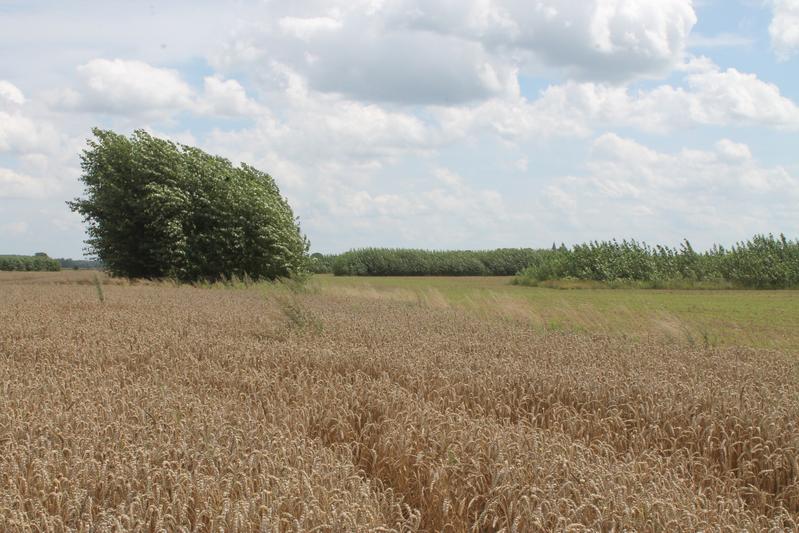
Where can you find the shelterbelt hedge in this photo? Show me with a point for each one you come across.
(411, 262)
(29, 263)
(763, 262)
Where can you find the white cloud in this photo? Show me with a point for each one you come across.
(730, 97)
(16, 185)
(133, 88)
(732, 151)
(20, 133)
(129, 87)
(595, 39)
(622, 164)
(10, 94)
(227, 97)
(416, 52)
(305, 28)
(784, 28)
(315, 128)
(514, 119)
(448, 177)
(17, 133)
(350, 48)
(443, 209)
(331, 155)
(630, 189)
(711, 97)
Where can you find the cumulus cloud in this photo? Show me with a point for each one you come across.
(515, 119)
(19, 133)
(624, 164)
(331, 155)
(443, 208)
(710, 97)
(305, 28)
(630, 189)
(354, 53)
(595, 39)
(226, 97)
(732, 151)
(16, 185)
(409, 51)
(132, 88)
(10, 94)
(316, 127)
(784, 28)
(129, 87)
(729, 97)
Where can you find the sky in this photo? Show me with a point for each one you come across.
(444, 124)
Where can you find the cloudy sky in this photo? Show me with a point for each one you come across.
(423, 123)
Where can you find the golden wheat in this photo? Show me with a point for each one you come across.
(165, 408)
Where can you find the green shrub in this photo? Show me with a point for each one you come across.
(764, 262)
(410, 262)
(27, 263)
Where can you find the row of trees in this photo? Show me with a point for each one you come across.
(155, 209)
(79, 264)
(409, 262)
(29, 263)
(764, 262)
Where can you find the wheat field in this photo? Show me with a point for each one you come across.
(154, 407)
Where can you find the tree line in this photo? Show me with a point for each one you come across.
(762, 262)
(413, 262)
(29, 263)
(80, 264)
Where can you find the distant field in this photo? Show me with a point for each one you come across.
(751, 318)
(766, 319)
(393, 404)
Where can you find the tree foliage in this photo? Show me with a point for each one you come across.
(409, 262)
(319, 263)
(27, 263)
(82, 264)
(157, 209)
(763, 262)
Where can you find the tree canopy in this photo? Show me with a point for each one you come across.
(158, 209)
(38, 262)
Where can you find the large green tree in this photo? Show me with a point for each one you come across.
(158, 209)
